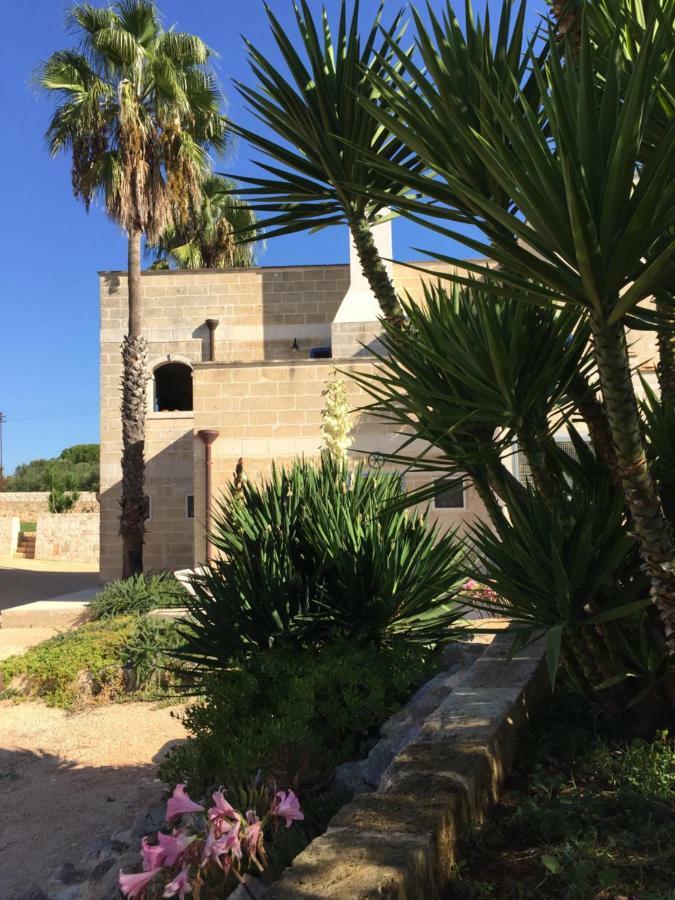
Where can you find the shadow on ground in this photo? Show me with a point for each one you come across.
(57, 814)
(25, 585)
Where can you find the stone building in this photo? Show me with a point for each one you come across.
(239, 357)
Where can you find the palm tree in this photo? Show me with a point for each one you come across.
(589, 222)
(318, 164)
(138, 110)
(218, 233)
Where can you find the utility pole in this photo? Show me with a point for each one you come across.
(3, 418)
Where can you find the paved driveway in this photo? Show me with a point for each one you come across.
(26, 580)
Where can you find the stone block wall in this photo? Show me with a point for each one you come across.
(70, 537)
(271, 412)
(28, 505)
(9, 534)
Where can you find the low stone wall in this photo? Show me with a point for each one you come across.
(9, 534)
(69, 536)
(28, 505)
(401, 840)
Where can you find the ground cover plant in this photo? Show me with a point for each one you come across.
(586, 814)
(121, 653)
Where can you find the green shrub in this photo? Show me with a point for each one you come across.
(138, 595)
(112, 657)
(294, 714)
(316, 552)
(52, 668)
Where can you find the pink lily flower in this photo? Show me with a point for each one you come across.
(253, 832)
(180, 803)
(173, 846)
(287, 806)
(153, 855)
(180, 886)
(215, 847)
(221, 814)
(134, 885)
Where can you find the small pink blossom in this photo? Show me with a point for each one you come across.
(215, 847)
(134, 885)
(221, 814)
(470, 584)
(180, 886)
(180, 803)
(173, 846)
(287, 806)
(153, 855)
(253, 831)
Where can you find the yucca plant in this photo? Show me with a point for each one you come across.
(316, 552)
(217, 233)
(138, 111)
(470, 376)
(574, 575)
(588, 223)
(318, 173)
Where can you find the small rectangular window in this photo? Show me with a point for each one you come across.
(450, 497)
(190, 506)
(149, 499)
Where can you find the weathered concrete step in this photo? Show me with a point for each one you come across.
(65, 611)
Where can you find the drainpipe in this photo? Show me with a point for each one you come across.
(212, 324)
(208, 436)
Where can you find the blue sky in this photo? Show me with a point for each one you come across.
(51, 249)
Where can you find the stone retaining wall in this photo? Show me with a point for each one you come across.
(70, 537)
(401, 840)
(9, 534)
(28, 505)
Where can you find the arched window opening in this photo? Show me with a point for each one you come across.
(173, 388)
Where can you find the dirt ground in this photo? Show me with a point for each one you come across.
(26, 580)
(68, 779)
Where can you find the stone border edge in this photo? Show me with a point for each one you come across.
(401, 842)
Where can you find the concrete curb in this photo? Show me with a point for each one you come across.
(400, 842)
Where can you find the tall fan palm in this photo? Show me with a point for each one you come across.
(138, 109)
(319, 174)
(589, 224)
(217, 234)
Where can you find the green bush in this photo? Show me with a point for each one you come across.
(317, 552)
(138, 595)
(112, 658)
(294, 714)
(51, 669)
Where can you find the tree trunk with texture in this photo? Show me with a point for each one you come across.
(374, 270)
(134, 380)
(652, 528)
(665, 368)
(594, 414)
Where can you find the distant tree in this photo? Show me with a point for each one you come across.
(76, 469)
(217, 234)
(81, 453)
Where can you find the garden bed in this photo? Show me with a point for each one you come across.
(586, 814)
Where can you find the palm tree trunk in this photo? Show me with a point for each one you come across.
(594, 414)
(134, 379)
(374, 269)
(665, 369)
(652, 528)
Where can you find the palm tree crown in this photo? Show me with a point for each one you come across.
(218, 233)
(139, 110)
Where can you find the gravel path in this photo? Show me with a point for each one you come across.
(70, 780)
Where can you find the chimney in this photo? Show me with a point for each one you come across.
(356, 321)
